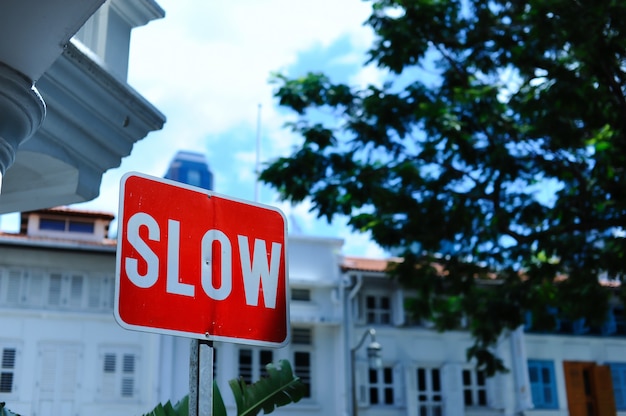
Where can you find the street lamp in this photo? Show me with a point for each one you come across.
(373, 357)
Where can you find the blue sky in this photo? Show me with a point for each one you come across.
(206, 66)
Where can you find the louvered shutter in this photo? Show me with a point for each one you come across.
(398, 384)
(603, 390)
(618, 377)
(452, 390)
(575, 388)
(398, 307)
(495, 391)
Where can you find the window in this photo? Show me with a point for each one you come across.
(80, 227)
(474, 388)
(100, 292)
(51, 224)
(37, 288)
(378, 309)
(429, 396)
(380, 386)
(302, 341)
(119, 369)
(588, 388)
(620, 320)
(7, 370)
(618, 376)
(128, 375)
(252, 363)
(63, 225)
(303, 295)
(13, 287)
(302, 364)
(54, 289)
(543, 384)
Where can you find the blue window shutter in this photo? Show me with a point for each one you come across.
(543, 384)
(579, 327)
(618, 376)
(609, 327)
(528, 321)
(534, 371)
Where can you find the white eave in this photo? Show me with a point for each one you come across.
(33, 33)
(139, 12)
(93, 120)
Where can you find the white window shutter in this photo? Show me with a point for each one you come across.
(519, 368)
(35, 288)
(452, 389)
(398, 308)
(399, 389)
(358, 309)
(410, 380)
(495, 391)
(69, 368)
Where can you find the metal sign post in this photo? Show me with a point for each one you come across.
(201, 378)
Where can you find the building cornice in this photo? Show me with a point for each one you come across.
(22, 110)
(93, 121)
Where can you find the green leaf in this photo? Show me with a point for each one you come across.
(6, 412)
(219, 409)
(279, 388)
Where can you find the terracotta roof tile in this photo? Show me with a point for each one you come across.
(367, 264)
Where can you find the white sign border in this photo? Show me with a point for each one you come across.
(118, 268)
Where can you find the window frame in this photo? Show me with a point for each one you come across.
(378, 314)
(257, 365)
(12, 370)
(381, 386)
(426, 396)
(301, 294)
(115, 376)
(474, 388)
(304, 344)
(537, 388)
(66, 225)
(51, 289)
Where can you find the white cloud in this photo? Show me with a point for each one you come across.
(206, 66)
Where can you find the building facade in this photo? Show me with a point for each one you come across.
(63, 353)
(573, 370)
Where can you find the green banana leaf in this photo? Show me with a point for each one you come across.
(219, 409)
(180, 409)
(6, 412)
(279, 388)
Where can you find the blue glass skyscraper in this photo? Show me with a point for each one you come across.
(190, 168)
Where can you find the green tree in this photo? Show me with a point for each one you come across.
(497, 147)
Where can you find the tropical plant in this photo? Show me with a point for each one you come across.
(6, 412)
(279, 388)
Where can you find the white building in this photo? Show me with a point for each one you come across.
(574, 371)
(63, 353)
(67, 113)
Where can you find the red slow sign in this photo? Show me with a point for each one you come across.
(194, 263)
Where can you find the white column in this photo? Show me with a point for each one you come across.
(519, 364)
(22, 110)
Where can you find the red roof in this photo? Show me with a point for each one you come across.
(74, 212)
(363, 264)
